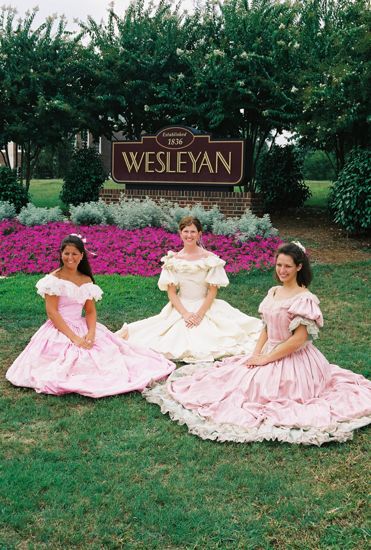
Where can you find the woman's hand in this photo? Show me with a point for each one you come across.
(192, 319)
(257, 360)
(81, 342)
(89, 339)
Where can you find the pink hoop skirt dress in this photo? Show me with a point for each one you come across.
(223, 331)
(301, 398)
(52, 364)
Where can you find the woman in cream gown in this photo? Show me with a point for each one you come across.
(195, 325)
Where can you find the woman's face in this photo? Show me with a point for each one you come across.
(286, 268)
(190, 234)
(71, 256)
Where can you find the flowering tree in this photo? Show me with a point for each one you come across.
(241, 69)
(137, 65)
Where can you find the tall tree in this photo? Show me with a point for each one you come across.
(335, 77)
(46, 81)
(137, 65)
(242, 60)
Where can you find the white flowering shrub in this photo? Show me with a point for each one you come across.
(91, 213)
(33, 215)
(7, 210)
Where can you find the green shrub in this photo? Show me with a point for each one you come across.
(85, 177)
(350, 195)
(33, 215)
(11, 190)
(280, 179)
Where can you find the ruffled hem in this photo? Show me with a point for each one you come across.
(312, 327)
(222, 432)
(53, 286)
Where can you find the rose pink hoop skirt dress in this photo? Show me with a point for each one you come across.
(52, 364)
(301, 398)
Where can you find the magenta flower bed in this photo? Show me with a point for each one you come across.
(136, 252)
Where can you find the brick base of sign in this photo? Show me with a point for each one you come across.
(230, 204)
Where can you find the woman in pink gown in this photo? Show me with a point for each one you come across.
(75, 354)
(285, 391)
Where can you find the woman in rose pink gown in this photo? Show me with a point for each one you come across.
(285, 391)
(75, 354)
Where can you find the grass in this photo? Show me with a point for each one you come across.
(46, 192)
(320, 191)
(116, 473)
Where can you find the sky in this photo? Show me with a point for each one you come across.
(74, 9)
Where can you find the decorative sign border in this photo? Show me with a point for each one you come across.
(175, 155)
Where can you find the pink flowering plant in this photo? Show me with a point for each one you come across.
(126, 252)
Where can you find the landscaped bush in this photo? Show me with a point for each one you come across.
(136, 214)
(91, 213)
(350, 195)
(85, 177)
(280, 179)
(7, 210)
(33, 215)
(11, 190)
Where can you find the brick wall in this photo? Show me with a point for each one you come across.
(231, 204)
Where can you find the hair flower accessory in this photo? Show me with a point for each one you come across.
(79, 236)
(299, 245)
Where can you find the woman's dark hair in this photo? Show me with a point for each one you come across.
(304, 276)
(189, 220)
(84, 266)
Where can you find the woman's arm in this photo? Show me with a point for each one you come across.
(177, 304)
(51, 306)
(261, 341)
(290, 345)
(91, 321)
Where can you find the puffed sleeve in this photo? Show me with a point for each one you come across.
(49, 285)
(305, 311)
(216, 274)
(168, 272)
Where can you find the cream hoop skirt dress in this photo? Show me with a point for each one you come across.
(223, 331)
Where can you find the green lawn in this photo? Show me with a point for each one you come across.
(46, 192)
(320, 191)
(116, 473)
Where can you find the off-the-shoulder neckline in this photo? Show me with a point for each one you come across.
(66, 281)
(211, 255)
(306, 291)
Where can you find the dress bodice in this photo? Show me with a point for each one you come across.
(282, 317)
(192, 277)
(71, 297)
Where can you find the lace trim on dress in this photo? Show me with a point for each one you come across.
(312, 327)
(172, 262)
(59, 287)
(207, 429)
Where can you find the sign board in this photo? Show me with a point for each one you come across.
(175, 155)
